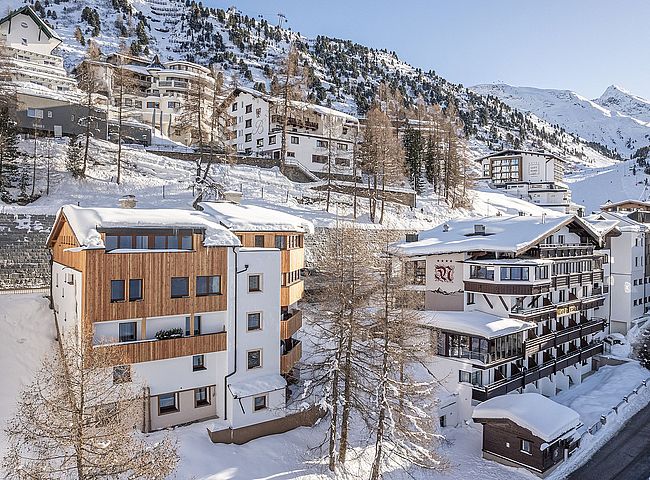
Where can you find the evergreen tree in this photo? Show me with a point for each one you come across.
(643, 349)
(74, 161)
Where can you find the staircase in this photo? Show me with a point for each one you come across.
(24, 258)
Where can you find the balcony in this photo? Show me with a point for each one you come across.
(507, 288)
(575, 279)
(295, 122)
(290, 294)
(538, 344)
(290, 324)
(289, 359)
(292, 259)
(519, 380)
(565, 251)
(151, 350)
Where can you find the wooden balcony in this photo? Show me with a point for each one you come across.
(519, 380)
(565, 251)
(560, 337)
(291, 324)
(506, 288)
(292, 259)
(289, 359)
(291, 293)
(150, 350)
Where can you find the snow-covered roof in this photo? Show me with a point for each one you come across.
(504, 153)
(248, 387)
(640, 203)
(473, 323)
(512, 234)
(86, 222)
(544, 418)
(605, 222)
(253, 218)
(27, 10)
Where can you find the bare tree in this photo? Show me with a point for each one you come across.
(77, 418)
(89, 81)
(124, 84)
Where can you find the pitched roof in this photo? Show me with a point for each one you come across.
(85, 223)
(513, 234)
(253, 218)
(503, 153)
(473, 323)
(27, 10)
(544, 418)
(640, 203)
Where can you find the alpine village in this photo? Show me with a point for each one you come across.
(232, 251)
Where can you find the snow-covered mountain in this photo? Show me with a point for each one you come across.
(618, 119)
(343, 74)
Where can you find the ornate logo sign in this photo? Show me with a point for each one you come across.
(444, 273)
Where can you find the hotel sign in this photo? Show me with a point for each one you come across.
(561, 311)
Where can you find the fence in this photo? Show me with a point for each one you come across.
(616, 409)
(25, 290)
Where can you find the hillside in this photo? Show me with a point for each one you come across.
(342, 74)
(618, 119)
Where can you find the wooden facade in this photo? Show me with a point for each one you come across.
(289, 359)
(502, 441)
(291, 324)
(292, 293)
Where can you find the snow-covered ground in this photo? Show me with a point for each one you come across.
(26, 327)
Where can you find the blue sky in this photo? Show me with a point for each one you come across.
(580, 45)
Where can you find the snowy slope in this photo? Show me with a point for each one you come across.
(607, 121)
(618, 99)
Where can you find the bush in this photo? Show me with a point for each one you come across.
(171, 333)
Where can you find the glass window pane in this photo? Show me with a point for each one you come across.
(254, 321)
(127, 331)
(126, 241)
(254, 359)
(201, 285)
(160, 242)
(141, 241)
(180, 287)
(111, 242)
(172, 242)
(186, 242)
(117, 290)
(215, 284)
(254, 283)
(135, 289)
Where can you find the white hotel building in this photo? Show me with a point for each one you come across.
(205, 323)
(316, 137)
(514, 305)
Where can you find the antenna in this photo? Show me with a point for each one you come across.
(281, 18)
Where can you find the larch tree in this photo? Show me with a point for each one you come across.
(125, 83)
(89, 81)
(402, 418)
(77, 420)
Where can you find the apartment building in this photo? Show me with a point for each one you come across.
(31, 44)
(513, 303)
(319, 138)
(534, 176)
(194, 314)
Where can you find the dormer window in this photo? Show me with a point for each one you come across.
(24, 41)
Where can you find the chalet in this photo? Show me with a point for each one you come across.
(514, 303)
(31, 44)
(318, 138)
(534, 176)
(528, 430)
(130, 276)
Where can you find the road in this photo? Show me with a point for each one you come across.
(624, 457)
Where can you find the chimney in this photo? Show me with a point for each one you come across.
(479, 229)
(412, 237)
(127, 201)
(543, 218)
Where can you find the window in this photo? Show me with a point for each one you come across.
(295, 140)
(23, 41)
(254, 359)
(135, 290)
(259, 403)
(254, 321)
(342, 146)
(186, 242)
(281, 242)
(541, 273)
(110, 242)
(121, 374)
(321, 143)
(319, 158)
(249, 108)
(198, 363)
(443, 421)
(167, 403)
(117, 291)
(197, 325)
(208, 285)
(249, 123)
(49, 114)
(259, 241)
(141, 241)
(248, 137)
(126, 241)
(526, 447)
(127, 331)
(342, 162)
(470, 298)
(180, 287)
(560, 239)
(464, 377)
(153, 105)
(254, 283)
(260, 142)
(201, 397)
(481, 273)
(272, 140)
(291, 154)
(514, 273)
(234, 107)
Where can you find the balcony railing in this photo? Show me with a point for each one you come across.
(289, 359)
(519, 380)
(150, 350)
(295, 122)
(290, 324)
(507, 288)
(565, 251)
(560, 337)
(290, 294)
